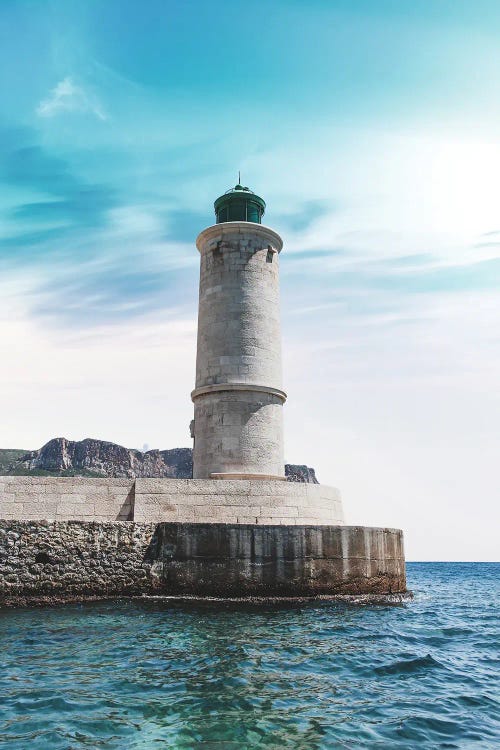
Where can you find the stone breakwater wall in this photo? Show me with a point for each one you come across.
(74, 560)
(179, 500)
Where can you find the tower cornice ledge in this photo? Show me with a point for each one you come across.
(217, 232)
(217, 387)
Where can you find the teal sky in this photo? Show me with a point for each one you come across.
(370, 127)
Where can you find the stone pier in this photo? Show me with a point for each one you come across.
(57, 561)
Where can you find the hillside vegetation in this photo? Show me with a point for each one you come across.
(8, 456)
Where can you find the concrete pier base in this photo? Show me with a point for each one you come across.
(272, 561)
(57, 561)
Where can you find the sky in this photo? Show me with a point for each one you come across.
(372, 131)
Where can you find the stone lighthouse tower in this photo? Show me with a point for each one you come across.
(238, 398)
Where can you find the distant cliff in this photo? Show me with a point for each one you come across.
(98, 458)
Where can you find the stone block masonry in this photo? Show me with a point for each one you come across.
(155, 500)
(45, 561)
(238, 429)
(238, 399)
(66, 498)
(237, 501)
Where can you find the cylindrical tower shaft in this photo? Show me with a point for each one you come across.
(238, 400)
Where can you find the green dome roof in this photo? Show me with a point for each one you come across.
(239, 204)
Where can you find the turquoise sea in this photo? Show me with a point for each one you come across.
(153, 674)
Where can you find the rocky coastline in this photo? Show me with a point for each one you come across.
(100, 458)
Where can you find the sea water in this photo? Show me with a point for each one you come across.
(154, 674)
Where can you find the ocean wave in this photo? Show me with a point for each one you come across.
(406, 666)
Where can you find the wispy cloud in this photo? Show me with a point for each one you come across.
(67, 96)
(305, 216)
(126, 270)
(95, 257)
(55, 207)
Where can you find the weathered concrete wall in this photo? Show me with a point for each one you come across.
(66, 498)
(229, 560)
(238, 398)
(74, 560)
(156, 500)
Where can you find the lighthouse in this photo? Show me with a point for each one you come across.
(238, 396)
(235, 529)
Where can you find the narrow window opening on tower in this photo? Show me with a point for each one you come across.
(269, 256)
